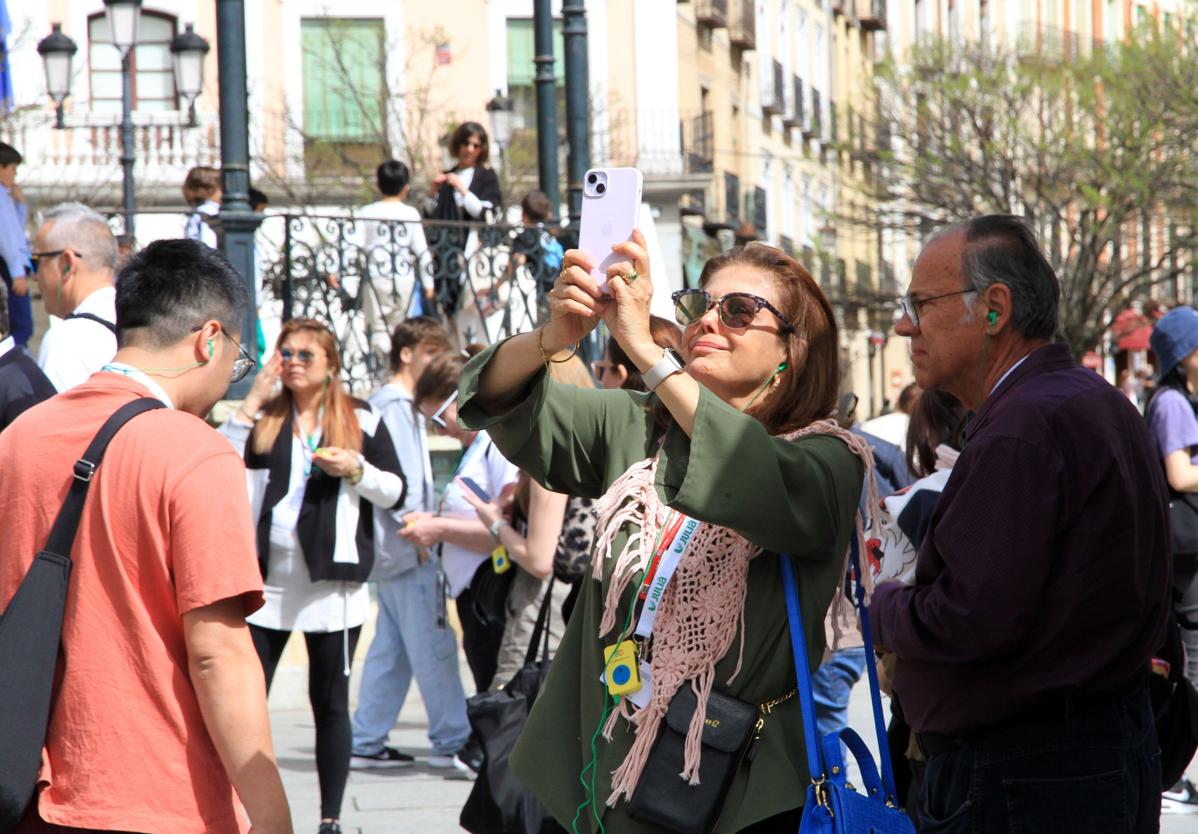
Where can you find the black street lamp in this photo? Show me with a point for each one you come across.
(499, 109)
(123, 18)
(188, 50)
(57, 50)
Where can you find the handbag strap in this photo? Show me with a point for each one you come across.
(66, 523)
(540, 633)
(798, 642)
(798, 645)
(871, 670)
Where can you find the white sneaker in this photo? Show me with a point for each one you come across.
(1182, 798)
(440, 762)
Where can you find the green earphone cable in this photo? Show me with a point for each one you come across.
(609, 702)
(761, 390)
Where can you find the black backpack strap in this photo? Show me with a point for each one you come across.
(95, 318)
(62, 534)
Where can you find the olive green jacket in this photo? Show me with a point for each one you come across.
(787, 497)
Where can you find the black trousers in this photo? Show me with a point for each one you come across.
(480, 640)
(328, 692)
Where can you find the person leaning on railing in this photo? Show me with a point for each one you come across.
(747, 450)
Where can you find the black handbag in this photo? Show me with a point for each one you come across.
(1183, 522)
(499, 803)
(30, 629)
(671, 803)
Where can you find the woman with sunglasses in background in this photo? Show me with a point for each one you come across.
(317, 464)
(464, 542)
(469, 191)
(730, 458)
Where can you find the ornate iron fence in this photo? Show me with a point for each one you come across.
(362, 276)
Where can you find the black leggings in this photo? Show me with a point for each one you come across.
(328, 692)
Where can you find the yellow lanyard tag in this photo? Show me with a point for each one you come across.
(621, 670)
(499, 560)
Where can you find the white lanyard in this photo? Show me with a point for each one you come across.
(138, 375)
(671, 555)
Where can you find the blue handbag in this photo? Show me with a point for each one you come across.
(832, 805)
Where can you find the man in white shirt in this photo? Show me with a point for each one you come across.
(75, 257)
(398, 262)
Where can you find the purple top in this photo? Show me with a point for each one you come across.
(1173, 423)
(1045, 569)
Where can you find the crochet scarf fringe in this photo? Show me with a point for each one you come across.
(702, 608)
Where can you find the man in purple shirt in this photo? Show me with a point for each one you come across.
(1041, 588)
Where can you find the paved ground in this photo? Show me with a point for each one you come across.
(420, 799)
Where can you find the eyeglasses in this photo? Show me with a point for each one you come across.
(737, 309)
(304, 357)
(242, 365)
(911, 306)
(437, 416)
(36, 258)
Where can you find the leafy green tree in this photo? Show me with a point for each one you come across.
(1093, 143)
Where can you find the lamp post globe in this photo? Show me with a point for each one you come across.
(187, 52)
(499, 109)
(57, 51)
(123, 17)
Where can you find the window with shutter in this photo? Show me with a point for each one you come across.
(343, 80)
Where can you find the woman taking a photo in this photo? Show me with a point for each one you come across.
(469, 191)
(317, 463)
(749, 456)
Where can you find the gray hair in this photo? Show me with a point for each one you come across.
(1001, 249)
(82, 229)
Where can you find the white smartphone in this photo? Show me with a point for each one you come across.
(611, 201)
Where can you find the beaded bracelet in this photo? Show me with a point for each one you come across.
(546, 358)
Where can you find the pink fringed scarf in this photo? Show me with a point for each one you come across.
(701, 610)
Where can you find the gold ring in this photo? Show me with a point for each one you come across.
(631, 276)
(562, 275)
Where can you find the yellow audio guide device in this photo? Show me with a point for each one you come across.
(620, 666)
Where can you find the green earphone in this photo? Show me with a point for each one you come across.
(210, 349)
(992, 318)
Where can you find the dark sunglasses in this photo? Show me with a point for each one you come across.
(304, 357)
(737, 309)
(36, 258)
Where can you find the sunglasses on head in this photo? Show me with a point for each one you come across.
(737, 309)
(438, 415)
(304, 357)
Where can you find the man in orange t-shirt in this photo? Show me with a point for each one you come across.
(159, 722)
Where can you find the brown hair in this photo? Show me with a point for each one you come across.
(536, 206)
(807, 391)
(201, 183)
(936, 417)
(414, 331)
(464, 133)
(665, 334)
(440, 379)
(340, 425)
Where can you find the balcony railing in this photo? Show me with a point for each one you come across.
(698, 144)
(712, 13)
(817, 115)
(871, 14)
(794, 114)
(87, 154)
(743, 31)
(658, 142)
(364, 276)
(759, 209)
(732, 196)
(773, 96)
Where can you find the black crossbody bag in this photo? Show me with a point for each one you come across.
(30, 629)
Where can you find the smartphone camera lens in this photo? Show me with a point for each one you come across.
(600, 188)
(592, 179)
